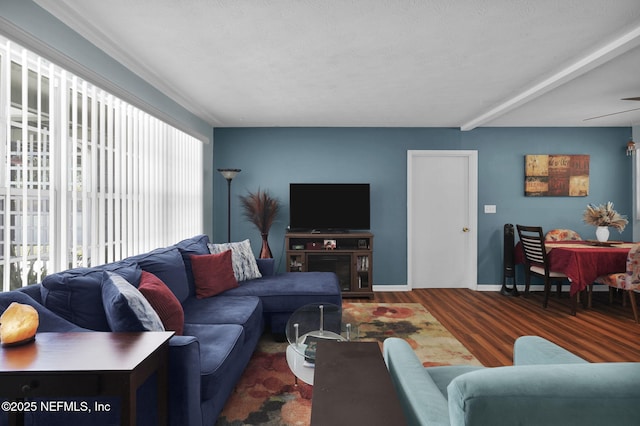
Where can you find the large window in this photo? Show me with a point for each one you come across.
(85, 178)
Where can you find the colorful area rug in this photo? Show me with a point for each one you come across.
(267, 394)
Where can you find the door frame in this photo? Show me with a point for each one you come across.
(472, 156)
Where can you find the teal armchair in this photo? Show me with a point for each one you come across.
(547, 385)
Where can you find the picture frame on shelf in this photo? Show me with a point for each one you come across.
(330, 244)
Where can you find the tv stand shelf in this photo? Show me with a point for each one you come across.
(349, 255)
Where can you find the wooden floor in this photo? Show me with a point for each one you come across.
(488, 323)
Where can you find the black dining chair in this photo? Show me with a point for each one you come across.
(536, 262)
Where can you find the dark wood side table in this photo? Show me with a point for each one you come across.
(87, 364)
(352, 386)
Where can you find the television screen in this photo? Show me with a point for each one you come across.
(329, 206)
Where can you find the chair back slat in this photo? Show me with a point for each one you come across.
(532, 241)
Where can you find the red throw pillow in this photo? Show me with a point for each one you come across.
(163, 301)
(213, 273)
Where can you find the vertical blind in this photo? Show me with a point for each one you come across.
(85, 177)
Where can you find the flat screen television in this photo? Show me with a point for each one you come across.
(329, 207)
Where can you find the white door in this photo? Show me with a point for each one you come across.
(442, 219)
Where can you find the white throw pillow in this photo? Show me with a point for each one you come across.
(244, 262)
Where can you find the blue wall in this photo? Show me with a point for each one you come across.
(271, 158)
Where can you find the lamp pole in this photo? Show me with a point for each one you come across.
(229, 174)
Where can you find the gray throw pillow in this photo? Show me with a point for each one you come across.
(243, 260)
(126, 307)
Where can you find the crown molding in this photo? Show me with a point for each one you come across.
(66, 14)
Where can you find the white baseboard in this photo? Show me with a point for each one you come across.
(400, 287)
(534, 287)
(405, 287)
(483, 287)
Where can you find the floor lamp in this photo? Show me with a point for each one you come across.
(229, 174)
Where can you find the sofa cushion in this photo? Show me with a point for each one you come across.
(291, 290)
(126, 307)
(167, 264)
(221, 310)
(48, 321)
(213, 273)
(244, 261)
(76, 294)
(193, 245)
(244, 311)
(163, 301)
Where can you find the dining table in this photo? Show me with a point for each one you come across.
(583, 261)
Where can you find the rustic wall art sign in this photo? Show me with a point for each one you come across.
(551, 175)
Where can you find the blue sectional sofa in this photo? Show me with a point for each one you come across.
(219, 333)
(547, 385)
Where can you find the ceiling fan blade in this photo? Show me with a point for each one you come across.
(631, 99)
(613, 113)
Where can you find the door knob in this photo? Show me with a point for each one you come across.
(465, 229)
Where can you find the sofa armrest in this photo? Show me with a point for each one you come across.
(534, 350)
(561, 394)
(421, 400)
(184, 381)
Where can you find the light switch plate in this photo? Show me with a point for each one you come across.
(490, 208)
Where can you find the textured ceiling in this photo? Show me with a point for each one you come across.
(437, 63)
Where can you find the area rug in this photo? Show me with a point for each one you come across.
(268, 395)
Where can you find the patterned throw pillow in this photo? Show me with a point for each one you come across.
(562, 235)
(126, 307)
(242, 258)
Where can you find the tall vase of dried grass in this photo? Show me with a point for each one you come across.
(603, 217)
(261, 209)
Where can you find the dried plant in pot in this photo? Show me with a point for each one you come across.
(603, 217)
(261, 209)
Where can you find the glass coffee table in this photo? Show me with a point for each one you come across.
(309, 324)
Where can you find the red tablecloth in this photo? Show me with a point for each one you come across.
(582, 262)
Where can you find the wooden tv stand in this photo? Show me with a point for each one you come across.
(349, 255)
